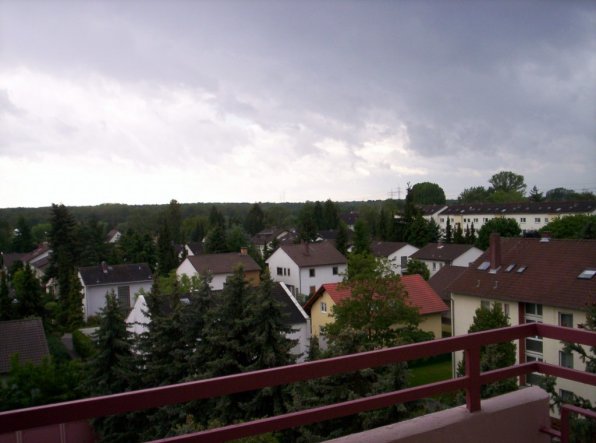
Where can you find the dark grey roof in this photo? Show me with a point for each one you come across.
(314, 254)
(578, 207)
(291, 313)
(441, 281)
(431, 209)
(441, 251)
(25, 337)
(385, 248)
(196, 247)
(111, 274)
(223, 263)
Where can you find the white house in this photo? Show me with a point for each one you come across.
(125, 280)
(437, 255)
(295, 318)
(398, 253)
(534, 280)
(304, 267)
(220, 267)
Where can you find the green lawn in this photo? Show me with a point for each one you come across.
(430, 373)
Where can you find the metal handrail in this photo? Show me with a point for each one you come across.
(471, 382)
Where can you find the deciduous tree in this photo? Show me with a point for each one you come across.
(506, 227)
(427, 193)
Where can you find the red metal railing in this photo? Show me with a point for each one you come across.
(201, 389)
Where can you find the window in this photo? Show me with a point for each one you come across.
(288, 271)
(566, 359)
(545, 219)
(522, 219)
(285, 271)
(485, 219)
(534, 344)
(311, 272)
(537, 220)
(442, 220)
(485, 304)
(566, 396)
(279, 271)
(335, 270)
(124, 297)
(533, 309)
(565, 319)
(506, 309)
(475, 220)
(323, 306)
(312, 290)
(587, 274)
(434, 266)
(404, 261)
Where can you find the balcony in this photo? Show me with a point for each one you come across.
(524, 407)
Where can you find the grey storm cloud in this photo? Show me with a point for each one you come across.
(468, 79)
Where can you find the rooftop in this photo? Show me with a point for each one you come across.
(441, 251)
(224, 263)
(25, 337)
(314, 254)
(105, 274)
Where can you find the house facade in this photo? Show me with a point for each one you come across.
(220, 267)
(125, 280)
(420, 295)
(295, 318)
(437, 255)
(305, 267)
(534, 280)
(398, 253)
(531, 216)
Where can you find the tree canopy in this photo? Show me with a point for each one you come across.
(572, 226)
(506, 227)
(427, 193)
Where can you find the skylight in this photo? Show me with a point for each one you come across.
(484, 266)
(587, 274)
(521, 269)
(510, 267)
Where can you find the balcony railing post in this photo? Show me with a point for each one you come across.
(564, 424)
(472, 356)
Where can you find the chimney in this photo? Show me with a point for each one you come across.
(104, 267)
(243, 250)
(494, 251)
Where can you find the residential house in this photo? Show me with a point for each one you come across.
(295, 318)
(113, 236)
(194, 248)
(535, 280)
(125, 280)
(305, 267)
(220, 267)
(531, 216)
(268, 237)
(38, 259)
(25, 337)
(431, 212)
(420, 295)
(398, 253)
(437, 255)
(440, 282)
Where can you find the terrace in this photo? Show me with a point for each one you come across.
(518, 416)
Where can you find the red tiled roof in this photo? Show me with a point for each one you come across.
(550, 277)
(420, 294)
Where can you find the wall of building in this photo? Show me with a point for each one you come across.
(395, 258)
(95, 296)
(463, 311)
(291, 276)
(323, 274)
(432, 323)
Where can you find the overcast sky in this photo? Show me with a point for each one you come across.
(145, 101)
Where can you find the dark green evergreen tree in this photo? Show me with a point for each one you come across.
(361, 243)
(535, 195)
(6, 305)
(236, 238)
(216, 241)
(167, 260)
(64, 260)
(216, 218)
(255, 219)
(318, 215)
(174, 218)
(448, 232)
(28, 293)
(136, 248)
(330, 215)
(112, 370)
(22, 240)
(341, 240)
(458, 235)
(94, 249)
(307, 226)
